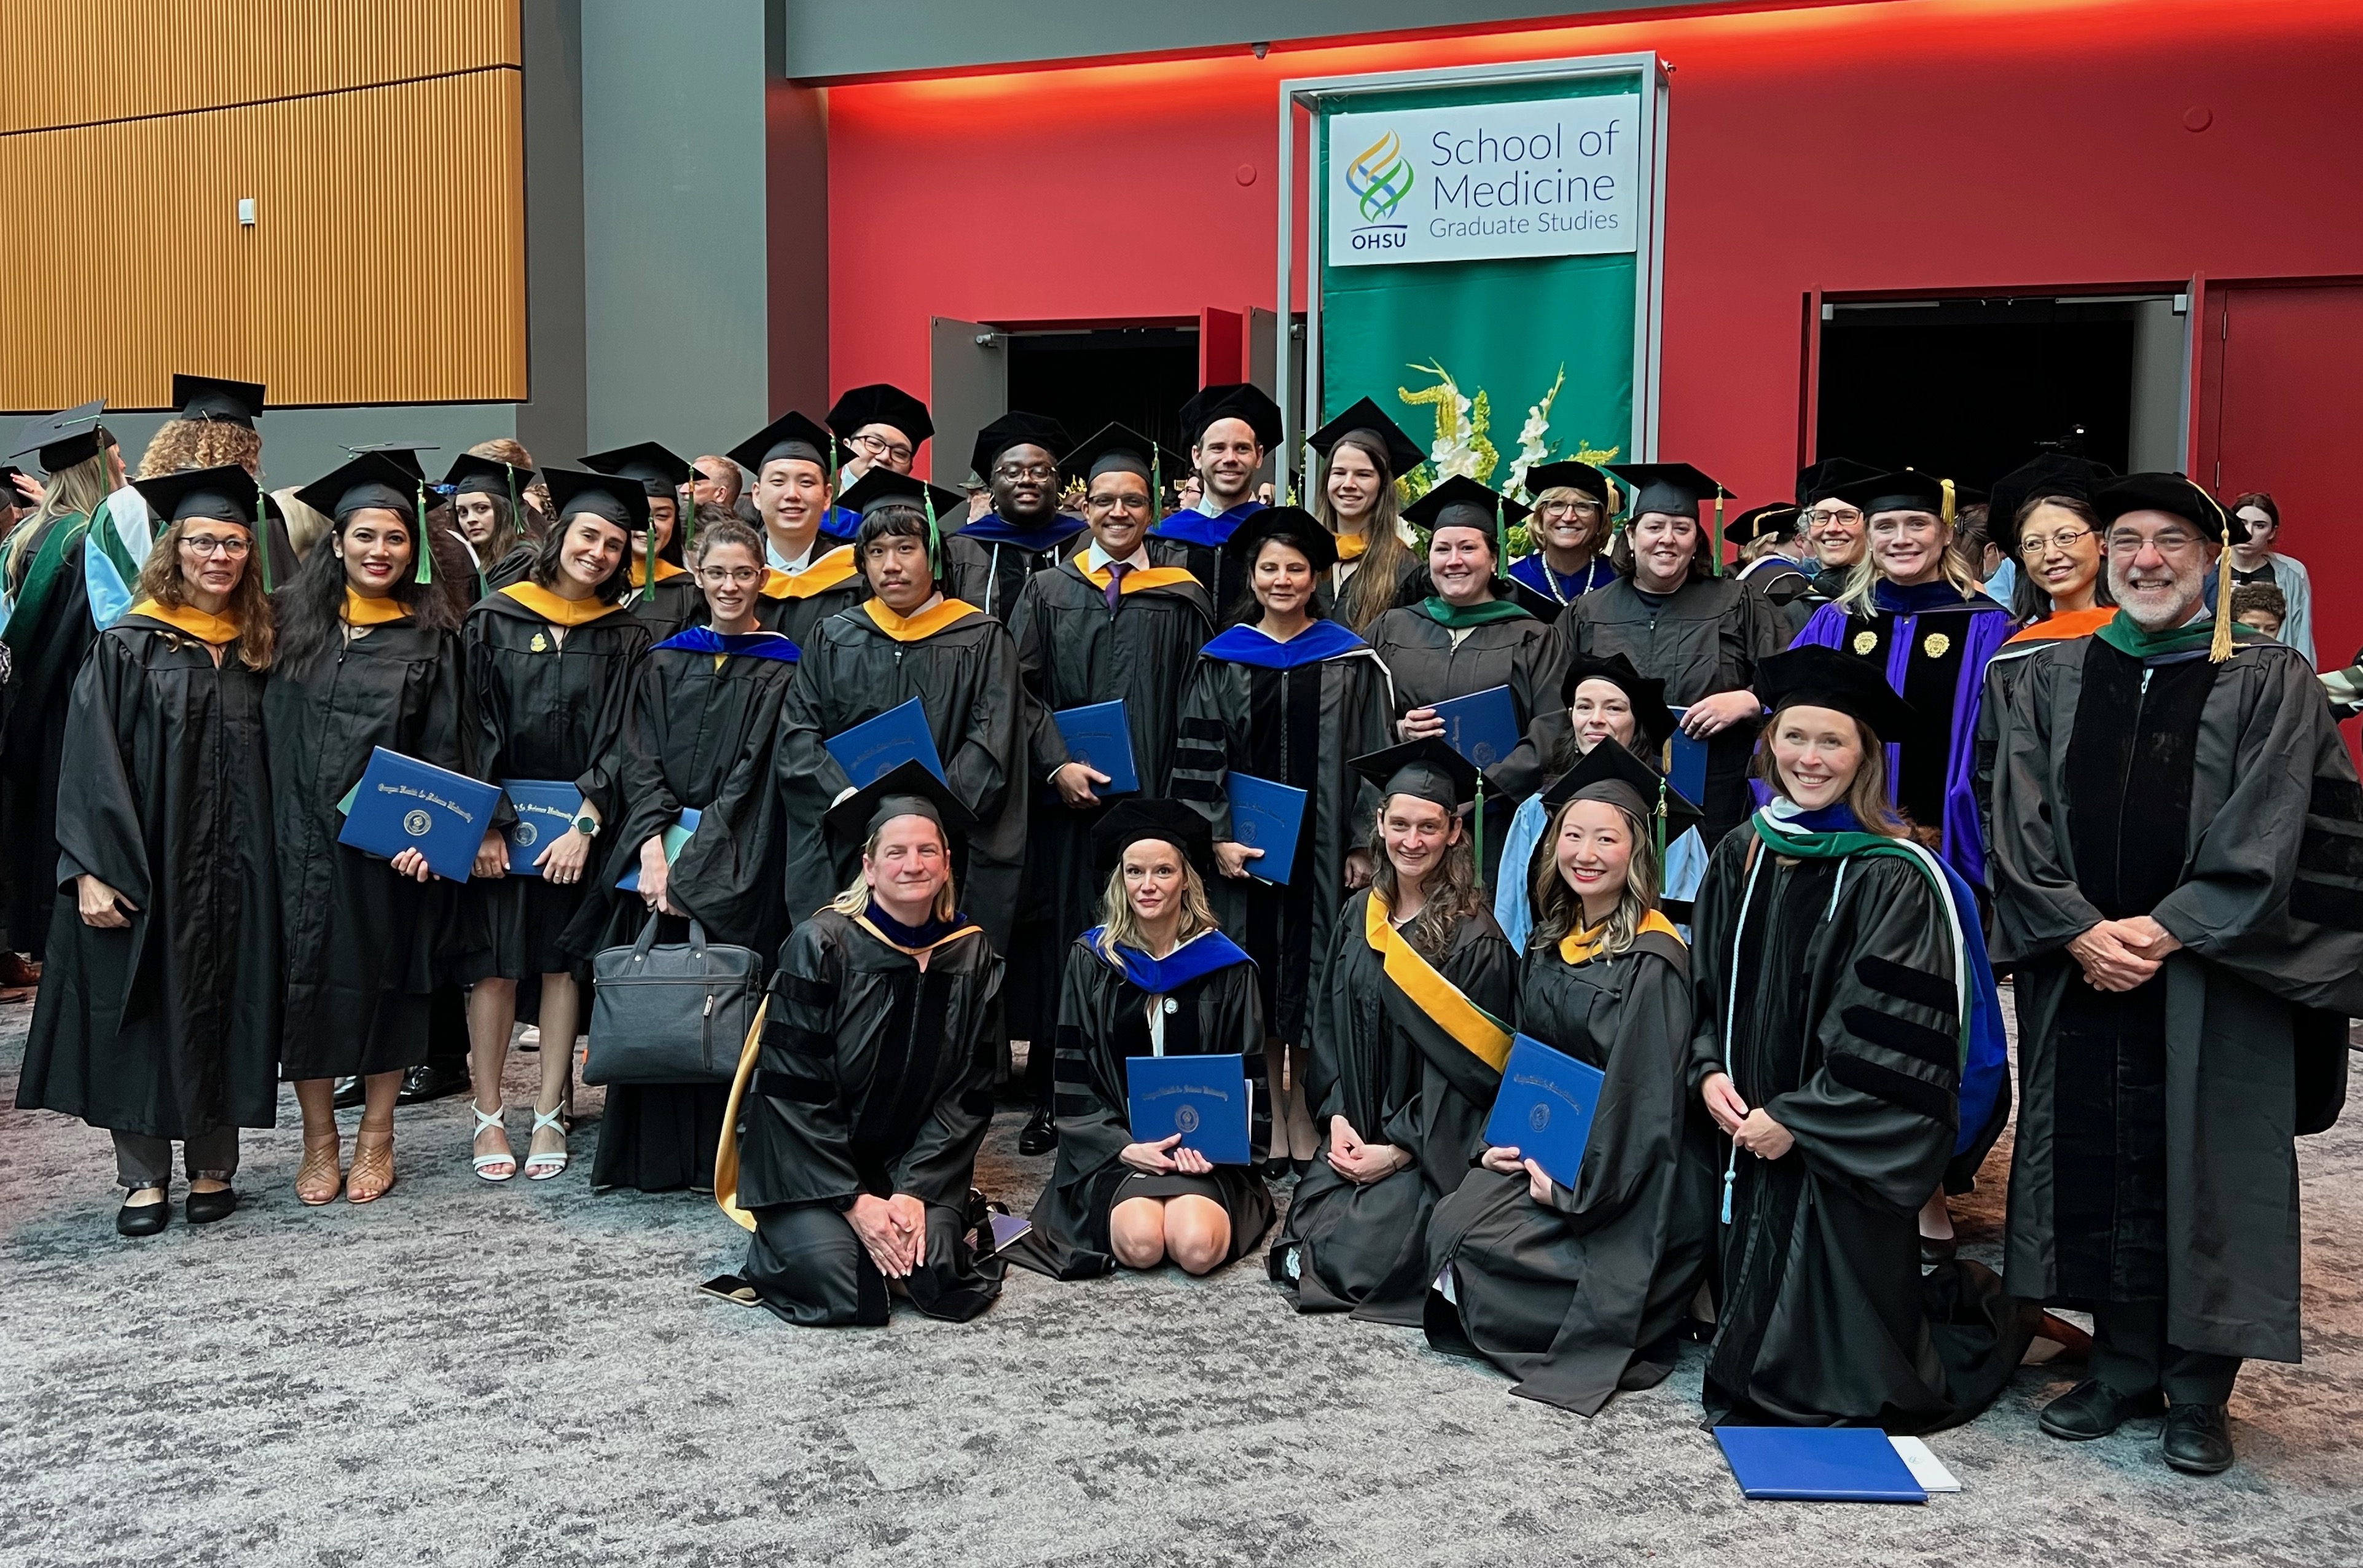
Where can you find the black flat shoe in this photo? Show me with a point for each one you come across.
(1940, 1248)
(349, 1092)
(1275, 1168)
(430, 1082)
(2199, 1439)
(207, 1208)
(1040, 1136)
(2092, 1409)
(1302, 1168)
(143, 1219)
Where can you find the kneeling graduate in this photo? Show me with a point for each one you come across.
(1407, 1048)
(1155, 978)
(864, 1094)
(1579, 1290)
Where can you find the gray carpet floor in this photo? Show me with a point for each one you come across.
(463, 1375)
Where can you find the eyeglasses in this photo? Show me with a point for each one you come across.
(1570, 508)
(2065, 539)
(724, 576)
(1833, 514)
(202, 545)
(2169, 541)
(1025, 471)
(878, 447)
(1118, 503)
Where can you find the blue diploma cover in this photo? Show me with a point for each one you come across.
(1482, 726)
(1204, 1098)
(1685, 762)
(1545, 1107)
(1267, 816)
(405, 803)
(1830, 1464)
(544, 808)
(1098, 737)
(877, 746)
(674, 837)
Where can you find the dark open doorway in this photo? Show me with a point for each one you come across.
(1967, 388)
(1139, 376)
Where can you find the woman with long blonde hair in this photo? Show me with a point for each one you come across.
(159, 1012)
(1154, 978)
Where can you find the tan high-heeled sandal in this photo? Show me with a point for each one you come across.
(321, 1175)
(372, 1176)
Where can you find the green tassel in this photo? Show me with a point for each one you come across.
(1714, 540)
(685, 509)
(1477, 818)
(1661, 835)
(650, 585)
(1501, 543)
(935, 540)
(425, 550)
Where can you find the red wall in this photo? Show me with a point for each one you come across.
(1910, 145)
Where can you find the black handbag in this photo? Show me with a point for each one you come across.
(676, 1014)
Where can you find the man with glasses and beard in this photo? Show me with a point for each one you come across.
(2176, 830)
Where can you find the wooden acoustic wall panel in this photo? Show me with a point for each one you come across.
(86, 61)
(386, 263)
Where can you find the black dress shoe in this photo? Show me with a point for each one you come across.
(144, 1219)
(1940, 1248)
(430, 1081)
(1275, 1168)
(350, 1093)
(1040, 1136)
(2092, 1409)
(207, 1208)
(1302, 1168)
(2197, 1439)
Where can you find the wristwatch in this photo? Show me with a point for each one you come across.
(586, 825)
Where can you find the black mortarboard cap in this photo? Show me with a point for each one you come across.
(402, 454)
(1366, 418)
(880, 403)
(216, 397)
(64, 438)
(224, 494)
(1292, 525)
(882, 487)
(1567, 474)
(1780, 520)
(660, 470)
(1115, 446)
(1232, 400)
(789, 436)
(1826, 477)
(2048, 474)
(1461, 503)
(1824, 677)
(1608, 771)
(907, 789)
(1427, 768)
(1652, 716)
(373, 479)
(620, 500)
(1673, 488)
(1906, 490)
(486, 476)
(1015, 428)
(2168, 492)
(1130, 820)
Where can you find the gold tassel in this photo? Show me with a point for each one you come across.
(1947, 485)
(2220, 648)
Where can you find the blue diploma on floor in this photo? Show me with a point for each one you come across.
(1482, 726)
(877, 746)
(544, 808)
(1685, 762)
(674, 837)
(1098, 737)
(1824, 1464)
(1204, 1098)
(1267, 816)
(1545, 1107)
(405, 803)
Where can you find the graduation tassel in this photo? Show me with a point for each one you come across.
(649, 582)
(1730, 1171)
(262, 535)
(1478, 819)
(685, 507)
(935, 540)
(425, 573)
(1500, 545)
(1661, 835)
(1714, 540)
(2219, 646)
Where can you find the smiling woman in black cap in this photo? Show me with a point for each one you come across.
(159, 1011)
(1154, 978)
(990, 559)
(671, 601)
(549, 683)
(1409, 1035)
(1363, 453)
(1578, 1291)
(1573, 508)
(866, 1090)
(1847, 1026)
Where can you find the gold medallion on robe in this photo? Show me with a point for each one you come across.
(1936, 645)
(540, 644)
(1864, 641)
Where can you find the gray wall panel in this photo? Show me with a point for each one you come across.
(552, 421)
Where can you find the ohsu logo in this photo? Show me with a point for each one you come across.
(1379, 177)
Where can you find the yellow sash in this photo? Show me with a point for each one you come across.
(372, 612)
(1477, 1030)
(666, 571)
(558, 611)
(1140, 578)
(818, 578)
(920, 627)
(1576, 947)
(204, 628)
(1351, 546)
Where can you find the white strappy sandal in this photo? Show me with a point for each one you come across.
(542, 1167)
(483, 1163)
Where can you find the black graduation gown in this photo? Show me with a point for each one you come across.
(543, 708)
(1390, 1071)
(1845, 1031)
(1788, 593)
(1102, 1023)
(966, 678)
(168, 1028)
(48, 642)
(1584, 1296)
(1703, 639)
(675, 602)
(703, 734)
(871, 1076)
(514, 567)
(989, 571)
(1224, 580)
(794, 605)
(363, 949)
(1073, 653)
(2154, 1157)
(1429, 668)
(1301, 727)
